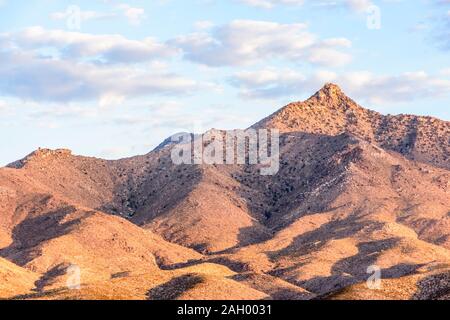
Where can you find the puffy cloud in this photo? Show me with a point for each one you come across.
(244, 42)
(62, 66)
(31, 77)
(133, 14)
(364, 85)
(76, 45)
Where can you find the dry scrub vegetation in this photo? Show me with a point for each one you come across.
(355, 189)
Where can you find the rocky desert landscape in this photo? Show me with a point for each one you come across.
(355, 190)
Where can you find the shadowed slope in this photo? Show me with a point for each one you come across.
(355, 206)
(349, 195)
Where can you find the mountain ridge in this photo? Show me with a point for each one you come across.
(354, 189)
(329, 111)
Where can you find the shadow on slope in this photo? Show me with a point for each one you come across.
(434, 287)
(34, 231)
(174, 288)
(354, 269)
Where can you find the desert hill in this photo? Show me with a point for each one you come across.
(355, 189)
(15, 280)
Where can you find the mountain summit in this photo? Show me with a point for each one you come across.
(39, 155)
(330, 112)
(355, 190)
(329, 91)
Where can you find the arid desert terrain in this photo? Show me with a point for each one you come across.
(355, 190)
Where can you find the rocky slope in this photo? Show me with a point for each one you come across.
(355, 189)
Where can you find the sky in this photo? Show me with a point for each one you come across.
(113, 79)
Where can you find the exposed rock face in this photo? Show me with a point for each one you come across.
(355, 189)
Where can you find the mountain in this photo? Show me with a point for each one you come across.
(331, 112)
(355, 190)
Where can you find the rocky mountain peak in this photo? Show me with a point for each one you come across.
(331, 95)
(44, 153)
(331, 90)
(39, 155)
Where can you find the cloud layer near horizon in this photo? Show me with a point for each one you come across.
(57, 65)
(41, 64)
(272, 83)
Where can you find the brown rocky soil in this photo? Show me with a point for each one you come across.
(355, 189)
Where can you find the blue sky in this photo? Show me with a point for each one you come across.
(113, 79)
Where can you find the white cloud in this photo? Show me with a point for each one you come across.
(83, 15)
(76, 45)
(408, 86)
(268, 4)
(363, 85)
(354, 5)
(244, 42)
(134, 15)
(358, 5)
(27, 76)
(56, 65)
